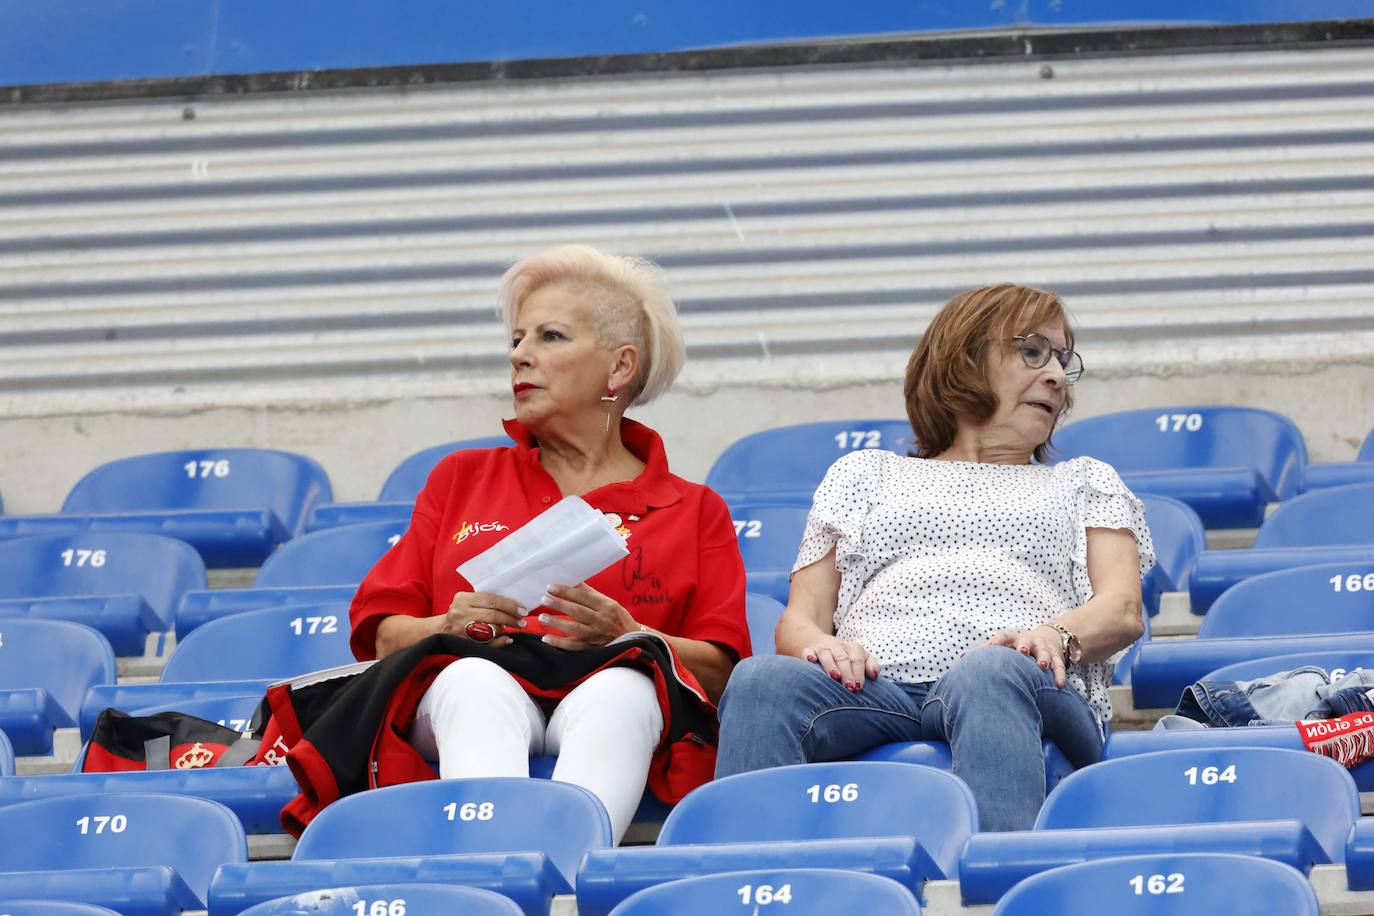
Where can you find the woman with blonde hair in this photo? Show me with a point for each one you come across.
(968, 594)
(590, 335)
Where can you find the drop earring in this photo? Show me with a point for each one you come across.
(611, 397)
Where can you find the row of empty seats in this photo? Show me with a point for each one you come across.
(131, 585)
(236, 505)
(530, 840)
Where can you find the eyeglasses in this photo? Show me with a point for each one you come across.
(1036, 350)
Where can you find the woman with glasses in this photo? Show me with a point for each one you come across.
(972, 593)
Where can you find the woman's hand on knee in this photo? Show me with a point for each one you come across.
(845, 661)
(1041, 643)
(480, 607)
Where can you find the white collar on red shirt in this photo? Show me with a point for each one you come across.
(655, 487)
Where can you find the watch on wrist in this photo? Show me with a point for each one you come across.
(1068, 643)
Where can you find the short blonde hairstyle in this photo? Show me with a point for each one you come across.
(631, 306)
(946, 377)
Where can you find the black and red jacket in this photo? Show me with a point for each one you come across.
(343, 732)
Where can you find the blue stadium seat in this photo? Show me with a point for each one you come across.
(437, 819)
(198, 607)
(1332, 517)
(1341, 473)
(1210, 785)
(785, 465)
(391, 900)
(796, 803)
(902, 821)
(234, 712)
(255, 794)
(802, 891)
(1304, 600)
(1225, 462)
(232, 505)
(1359, 856)
(192, 836)
(1165, 667)
(1178, 538)
(1205, 884)
(937, 754)
(53, 908)
(125, 585)
(1336, 663)
(461, 815)
(397, 499)
(1325, 526)
(1217, 570)
(6, 756)
(162, 695)
(769, 535)
(46, 667)
(335, 556)
(762, 613)
(527, 878)
(994, 863)
(609, 876)
(1127, 744)
(276, 643)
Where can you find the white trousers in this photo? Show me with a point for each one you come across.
(475, 720)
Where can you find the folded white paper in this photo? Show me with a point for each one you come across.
(567, 544)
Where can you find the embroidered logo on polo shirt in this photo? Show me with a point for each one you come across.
(619, 525)
(468, 529)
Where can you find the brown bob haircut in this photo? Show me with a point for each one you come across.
(946, 377)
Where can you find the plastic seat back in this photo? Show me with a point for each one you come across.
(53, 908)
(500, 814)
(333, 556)
(234, 712)
(6, 756)
(406, 482)
(1210, 785)
(113, 830)
(1322, 518)
(1330, 598)
(1178, 538)
(788, 463)
(801, 891)
(819, 801)
(762, 614)
(65, 659)
(231, 478)
(277, 643)
(389, 900)
(1178, 438)
(769, 535)
(1335, 663)
(1187, 884)
(157, 569)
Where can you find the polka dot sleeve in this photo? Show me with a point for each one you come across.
(1102, 500)
(840, 508)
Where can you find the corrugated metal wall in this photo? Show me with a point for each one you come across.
(228, 249)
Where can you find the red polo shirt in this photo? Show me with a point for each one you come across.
(683, 576)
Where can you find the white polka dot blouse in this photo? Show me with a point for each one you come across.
(937, 556)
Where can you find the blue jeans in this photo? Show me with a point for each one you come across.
(993, 708)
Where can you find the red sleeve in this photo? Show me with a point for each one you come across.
(716, 613)
(402, 582)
